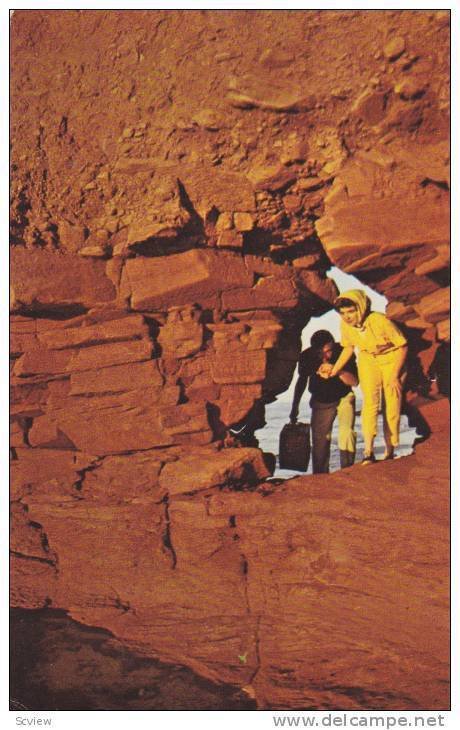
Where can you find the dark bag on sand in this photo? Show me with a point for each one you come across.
(294, 450)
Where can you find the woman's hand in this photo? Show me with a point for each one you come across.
(395, 384)
(325, 370)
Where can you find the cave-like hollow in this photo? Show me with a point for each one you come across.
(277, 413)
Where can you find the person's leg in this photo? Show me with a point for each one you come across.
(389, 447)
(392, 402)
(347, 434)
(370, 381)
(322, 418)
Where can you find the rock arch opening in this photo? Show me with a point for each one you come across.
(277, 412)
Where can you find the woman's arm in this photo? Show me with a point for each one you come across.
(342, 360)
(400, 358)
(348, 378)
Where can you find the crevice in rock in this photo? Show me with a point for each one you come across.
(101, 340)
(20, 222)
(162, 246)
(122, 605)
(258, 241)
(311, 246)
(43, 538)
(257, 651)
(442, 278)
(57, 312)
(35, 558)
(245, 572)
(182, 392)
(166, 537)
(119, 273)
(129, 452)
(26, 424)
(154, 330)
(78, 484)
(216, 425)
(54, 557)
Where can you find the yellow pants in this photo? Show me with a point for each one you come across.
(374, 375)
(346, 416)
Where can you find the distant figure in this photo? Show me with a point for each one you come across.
(330, 397)
(381, 366)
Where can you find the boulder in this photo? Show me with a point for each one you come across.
(107, 355)
(197, 473)
(182, 335)
(114, 330)
(209, 187)
(245, 367)
(352, 232)
(272, 178)
(41, 361)
(268, 93)
(196, 276)
(42, 280)
(370, 107)
(236, 401)
(109, 424)
(434, 307)
(116, 378)
(394, 47)
(230, 239)
(71, 236)
(267, 293)
(243, 221)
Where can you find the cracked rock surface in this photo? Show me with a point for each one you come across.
(324, 592)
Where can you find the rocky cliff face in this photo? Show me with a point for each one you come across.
(181, 183)
(315, 593)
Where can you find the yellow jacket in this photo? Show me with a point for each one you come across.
(376, 334)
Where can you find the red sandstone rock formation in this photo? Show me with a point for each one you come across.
(325, 592)
(181, 182)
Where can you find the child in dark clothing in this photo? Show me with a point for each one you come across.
(330, 397)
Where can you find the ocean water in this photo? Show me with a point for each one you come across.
(277, 415)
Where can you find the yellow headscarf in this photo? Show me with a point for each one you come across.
(360, 298)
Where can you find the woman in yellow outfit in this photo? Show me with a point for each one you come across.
(382, 352)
